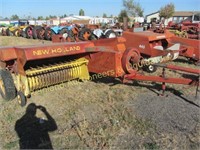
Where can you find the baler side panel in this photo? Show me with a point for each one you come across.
(7, 53)
(192, 45)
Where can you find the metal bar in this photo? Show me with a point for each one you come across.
(160, 79)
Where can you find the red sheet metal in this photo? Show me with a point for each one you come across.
(7, 53)
(160, 79)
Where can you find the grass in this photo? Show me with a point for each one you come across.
(8, 41)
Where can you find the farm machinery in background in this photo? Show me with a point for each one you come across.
(71, 32)
(3, 28)
(148, 43)
(188, 28)
(79, 32)
(17, 28)
(25, 69)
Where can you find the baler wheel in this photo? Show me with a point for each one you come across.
(150, 68)
(7, 86)
(129, 59)
(21, 98)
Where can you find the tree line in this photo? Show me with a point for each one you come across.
(130, 9)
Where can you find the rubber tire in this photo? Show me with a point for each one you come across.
(108, 33)
(150, 68)
(46, 34)
(63, 31)
(71, 36)
(10, 90)
(28, 36)
(41, 37)
(22, 98)
(82, 32)
(8, 32)
(16, 33)
(23, 34)
(35, 31)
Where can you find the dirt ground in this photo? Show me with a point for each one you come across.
(105, 114)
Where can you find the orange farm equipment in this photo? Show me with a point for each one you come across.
(25, 69)
(151, 44)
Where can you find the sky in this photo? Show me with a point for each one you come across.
(35, 8)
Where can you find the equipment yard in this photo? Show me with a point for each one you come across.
(103, 113)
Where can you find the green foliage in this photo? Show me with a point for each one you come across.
(122, 14)
(50, 16)
(133, 9)
(14, 17)
(167, 11)
(81, 12)
(40, 18)
(104, 15)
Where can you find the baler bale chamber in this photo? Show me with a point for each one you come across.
(25, 69)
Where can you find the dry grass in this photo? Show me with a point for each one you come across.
(10, 41)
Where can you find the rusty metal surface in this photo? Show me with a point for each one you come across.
(146, 42)
(7, 53)
(192, 46)
(160, 79)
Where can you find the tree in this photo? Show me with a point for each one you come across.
(122, 14)
(81, 12)
(47, 18)
(50, 16)
(167, 11)
(133, 9)
(104, 15)
(40, 18)
(14, 17)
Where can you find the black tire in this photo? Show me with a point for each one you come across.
(35, 31)
(71, 36)
(27, 32)
(48, 34)
(64, 32)
(110, 34)
(8, 32)
(85, 34)
(23, 34)
(21, 98)
(150, 68)
(41, 33)
(7, 86)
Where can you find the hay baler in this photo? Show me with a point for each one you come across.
(152, 44)
(25, 69)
